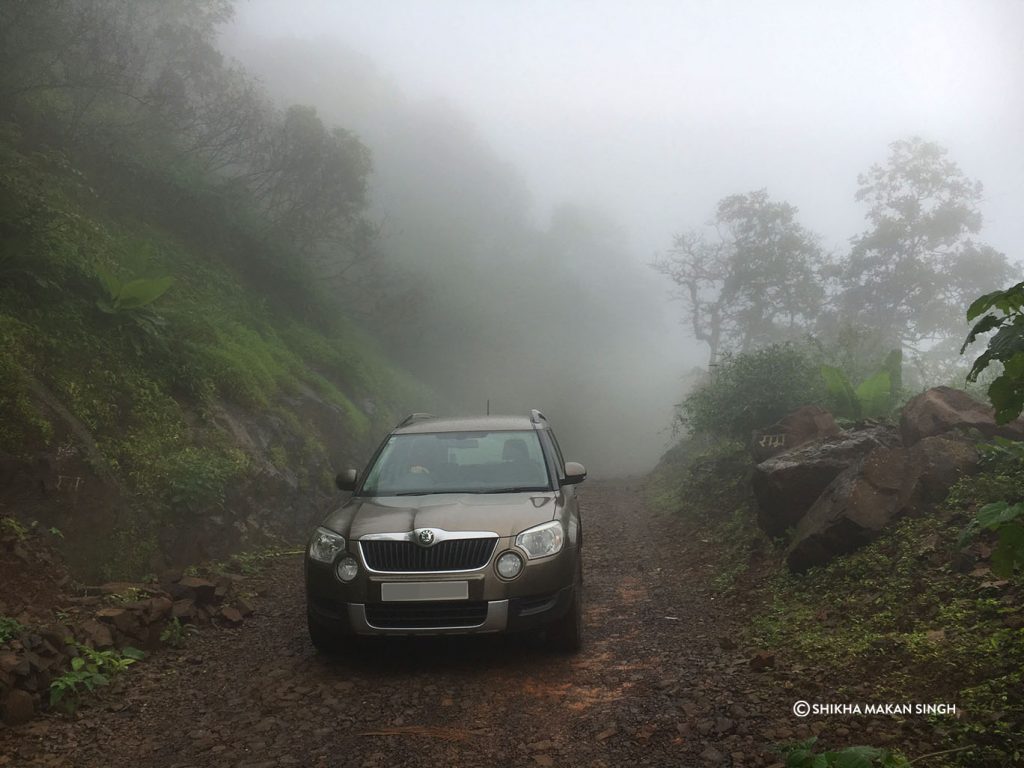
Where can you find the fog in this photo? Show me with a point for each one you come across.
(531, 159)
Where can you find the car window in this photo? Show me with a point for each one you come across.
(454, 462)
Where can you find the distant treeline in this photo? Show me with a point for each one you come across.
(756, 276)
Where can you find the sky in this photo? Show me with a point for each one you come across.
(654, 111)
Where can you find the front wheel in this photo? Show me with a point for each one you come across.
(566, 634)
(324, 638)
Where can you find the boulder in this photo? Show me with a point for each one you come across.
(889, 483)
(937, 463)
(811, 422)
(786, 485)
(943, 409)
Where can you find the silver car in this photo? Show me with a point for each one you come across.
(457, 526)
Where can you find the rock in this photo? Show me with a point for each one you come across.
(231, 615)
(938, 462)
(762, 660)
(942, 409)
(122, 618)
(712, 755)
(788, 484)
(244, 606)
(184, 610)
(97, 633)
(889, 483)
(170, 576)
(17, 707)
(852, 511)
(203, 590)
(811, 422)
(157, 609)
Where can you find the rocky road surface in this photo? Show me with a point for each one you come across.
(659, 683)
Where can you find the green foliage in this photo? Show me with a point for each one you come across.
(1007, 521)
(124, 297)
(752, 390)
(176, 634)
(1005, 346)
(873, 398)
(129, 595)
(1003, 461)
(12, 526)
(90, 670)
(23, 426)
(9, 628)
(803, 755)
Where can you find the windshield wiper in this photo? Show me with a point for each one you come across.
(512, 490)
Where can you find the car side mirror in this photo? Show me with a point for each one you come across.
(346, 481)
(574, 473)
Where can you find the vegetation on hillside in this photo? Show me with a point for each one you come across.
(906, 618)
(168, 247)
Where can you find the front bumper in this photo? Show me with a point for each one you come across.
(511, 615)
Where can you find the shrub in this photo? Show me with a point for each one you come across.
(752, 390)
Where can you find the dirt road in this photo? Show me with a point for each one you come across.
(654, 685)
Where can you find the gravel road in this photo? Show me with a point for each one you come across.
(659, 683)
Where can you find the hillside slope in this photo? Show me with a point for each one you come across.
(168, 429)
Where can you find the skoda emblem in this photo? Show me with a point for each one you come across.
(424, 537)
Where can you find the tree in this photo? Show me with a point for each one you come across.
(755, 282)
(911, 272)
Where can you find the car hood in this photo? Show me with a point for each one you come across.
(505, 514)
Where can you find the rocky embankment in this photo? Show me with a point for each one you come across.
(830, 491)
(48, 620)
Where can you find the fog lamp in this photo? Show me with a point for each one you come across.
(509, 565)
(347, 569)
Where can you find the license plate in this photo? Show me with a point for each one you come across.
(424, 590)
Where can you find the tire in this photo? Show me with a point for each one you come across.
(566, 634)
(324, 639)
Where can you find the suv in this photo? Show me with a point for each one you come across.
(458, 526)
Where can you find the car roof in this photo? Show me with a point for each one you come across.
(427, 425)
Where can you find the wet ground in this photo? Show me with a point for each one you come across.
(659, 682)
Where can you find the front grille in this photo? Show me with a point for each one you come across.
(450, 555)
(425, 615)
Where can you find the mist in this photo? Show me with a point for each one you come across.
(524, 145)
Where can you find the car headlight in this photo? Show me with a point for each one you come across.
(544, 540)
(325, 545)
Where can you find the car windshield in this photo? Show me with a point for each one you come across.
(458, 462)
